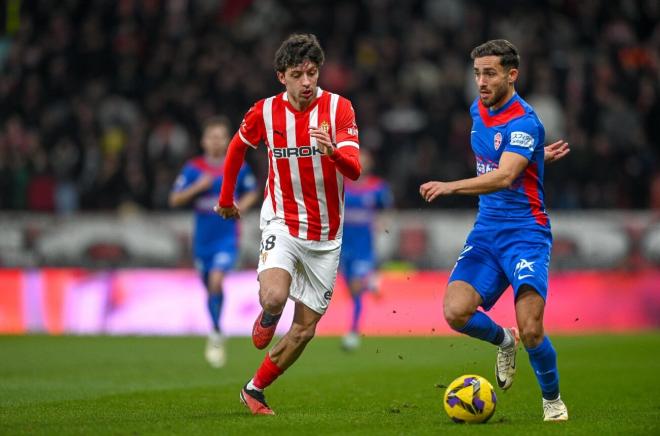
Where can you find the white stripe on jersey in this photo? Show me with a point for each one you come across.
(318, 176)
(245, 140)
(277, 187)
(334, 101)
(296, 177)
(348, 143)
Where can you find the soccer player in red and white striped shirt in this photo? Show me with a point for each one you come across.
(312, 144)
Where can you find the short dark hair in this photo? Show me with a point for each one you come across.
(217, 121)
(296, 49)
(508, 53)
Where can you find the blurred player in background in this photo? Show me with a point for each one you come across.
(312, 144)
(511, 240)
(358, 258)
(215, 240)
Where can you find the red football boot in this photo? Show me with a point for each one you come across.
(255, 401)
(261, 336)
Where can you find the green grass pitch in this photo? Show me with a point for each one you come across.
(147, 385)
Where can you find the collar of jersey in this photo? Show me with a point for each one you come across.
(513, 98)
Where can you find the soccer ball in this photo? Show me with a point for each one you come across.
(470, 398)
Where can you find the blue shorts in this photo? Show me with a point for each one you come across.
(495, 257)
(356, 267)
(222, 260)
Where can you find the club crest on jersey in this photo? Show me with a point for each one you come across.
(325, 126)
(497, 140)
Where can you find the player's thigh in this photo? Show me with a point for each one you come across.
(477, 268)
(526, 264)
(461, 297)
(314, 282)
(274, 285)
(277, 264)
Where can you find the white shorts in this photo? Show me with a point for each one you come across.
(312, 264)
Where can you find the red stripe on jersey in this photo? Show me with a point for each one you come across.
(271, 181)
(284, 169)
(308, 181)
(531, 188)
(331, 195)
(516, 110)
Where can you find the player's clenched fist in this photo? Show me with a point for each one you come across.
(227, 212)
(431, 190)
(323, 140)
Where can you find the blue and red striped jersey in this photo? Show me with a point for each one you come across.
(364, 198)
(211, 229)
(515, 128)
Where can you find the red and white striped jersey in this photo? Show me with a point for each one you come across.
(304, 189)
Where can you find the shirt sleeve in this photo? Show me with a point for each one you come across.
(345, 126)
(252, 130)
(347, 161)
(523, 137)
(233, 163)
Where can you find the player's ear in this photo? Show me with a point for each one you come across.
(513, 75)
(280, 77)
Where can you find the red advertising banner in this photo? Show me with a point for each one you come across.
(152, 301)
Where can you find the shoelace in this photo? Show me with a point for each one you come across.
(553, 408)
(504, 363)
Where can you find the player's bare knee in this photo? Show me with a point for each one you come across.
(456, 315)
(531, 334)
(215, 287)
(272, 299)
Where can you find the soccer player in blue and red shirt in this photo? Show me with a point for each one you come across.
(215, 240)
(511, 240)
(363, 198)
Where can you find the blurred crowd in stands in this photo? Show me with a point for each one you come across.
(102, 101)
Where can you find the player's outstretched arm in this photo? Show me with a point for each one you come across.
(511, 165)
(226, 207)
(555, 151)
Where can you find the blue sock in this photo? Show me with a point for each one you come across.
(544, 361)
(214, 304)
(480, 326)
(357, 311)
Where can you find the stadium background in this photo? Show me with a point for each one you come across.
(102, 104)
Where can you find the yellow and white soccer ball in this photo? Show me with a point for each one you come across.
(470, 398)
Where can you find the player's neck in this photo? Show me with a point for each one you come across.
(504, 100)
(297, 105)
(213, 160)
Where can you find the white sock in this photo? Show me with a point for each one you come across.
(508, 340)
(251, 386)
